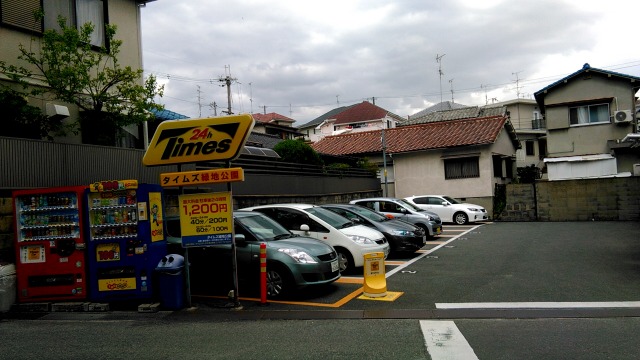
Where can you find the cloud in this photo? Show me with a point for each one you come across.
(301, 59)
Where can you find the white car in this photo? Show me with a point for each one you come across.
(450, 209)
(351, 241)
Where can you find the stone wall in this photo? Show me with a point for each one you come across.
(574, 200)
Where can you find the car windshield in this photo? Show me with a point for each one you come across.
(264, 228)
(410, 205)
(451, 200)
(368, 213)
(331, 218)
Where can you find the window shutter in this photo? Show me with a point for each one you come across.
(20, 13)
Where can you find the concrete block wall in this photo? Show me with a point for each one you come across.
(610, 199)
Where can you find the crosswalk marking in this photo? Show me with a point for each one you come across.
(445, 341)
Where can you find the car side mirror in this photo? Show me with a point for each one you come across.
(444, 203)
(304, 227)
(241, 240)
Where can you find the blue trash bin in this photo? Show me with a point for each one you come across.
(170, 279)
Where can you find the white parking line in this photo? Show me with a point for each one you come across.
(540, 305)
(445, 341)
(425, 253)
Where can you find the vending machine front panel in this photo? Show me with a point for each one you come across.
(49, 242)
(122, 246)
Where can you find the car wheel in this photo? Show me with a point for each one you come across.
(345, 261)
(426, 230)
(277, 281)
(460, 218)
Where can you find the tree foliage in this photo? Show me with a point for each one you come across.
(74, 71)
(24, 120)
(297, 151)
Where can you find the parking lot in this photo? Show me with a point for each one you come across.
(526, 263)
(341, 292)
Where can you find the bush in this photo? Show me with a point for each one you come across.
(297, 151)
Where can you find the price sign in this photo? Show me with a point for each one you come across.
(206, 219)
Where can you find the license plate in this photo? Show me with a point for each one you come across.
(334, 266)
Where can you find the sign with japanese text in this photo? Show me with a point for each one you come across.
(208, 139)
(113, 185)
(201, 177)
(206, 219)
(116, 284)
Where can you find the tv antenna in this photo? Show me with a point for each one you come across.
(517, 83)
(439, 61)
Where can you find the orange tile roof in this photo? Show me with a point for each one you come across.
(267, 118)
(436, 135)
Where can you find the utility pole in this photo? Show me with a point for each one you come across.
(226, 80)
(214, 106)
(199, 104)
(439, 61)
(384, 161)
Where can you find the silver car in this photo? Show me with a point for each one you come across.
(403, 210)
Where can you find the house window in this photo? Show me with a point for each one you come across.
(590, 114)
(529, 147)
(461, 168)
(19, 13)
(497, 166)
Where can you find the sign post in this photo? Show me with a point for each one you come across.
(205, 219)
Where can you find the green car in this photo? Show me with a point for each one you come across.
(293, 261)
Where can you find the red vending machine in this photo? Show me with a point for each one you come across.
(49, 243)
(126, 239)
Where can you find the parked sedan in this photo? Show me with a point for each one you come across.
(293, 261)
(403, 210)
(450, 209)
(401, 235)
(350, 240)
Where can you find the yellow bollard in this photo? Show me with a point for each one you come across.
(375, 282)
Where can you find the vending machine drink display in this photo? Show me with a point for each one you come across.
(126, 239)
(50, 244)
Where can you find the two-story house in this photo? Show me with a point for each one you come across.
(526, 117)
(349, 119)
(276, 125)
(464, 157)
(592, 130)
(18, 26)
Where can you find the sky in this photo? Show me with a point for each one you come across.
(302, 59)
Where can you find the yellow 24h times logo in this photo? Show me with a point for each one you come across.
(208, 139)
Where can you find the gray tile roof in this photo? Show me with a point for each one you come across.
(469, 112)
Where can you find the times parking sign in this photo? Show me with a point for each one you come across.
(206, 219)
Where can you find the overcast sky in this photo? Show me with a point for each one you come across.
(303, 58)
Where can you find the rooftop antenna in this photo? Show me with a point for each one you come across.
(251, 98)
(486, 100)
(451, 83)
(517, 83)
(439, 61)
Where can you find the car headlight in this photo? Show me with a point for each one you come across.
(473, 209)
(299, 256)
(361, 240)
(402, 232)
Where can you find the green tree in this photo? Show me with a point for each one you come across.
(297, 151)
(23, 120)
(72, 70)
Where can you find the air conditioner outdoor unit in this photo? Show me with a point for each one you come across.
(622, 116)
